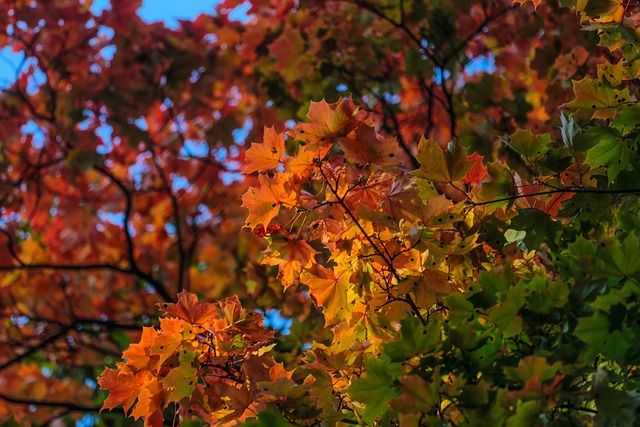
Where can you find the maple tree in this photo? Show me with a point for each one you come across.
(440, 196)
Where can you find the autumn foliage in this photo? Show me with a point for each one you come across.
(440, 198)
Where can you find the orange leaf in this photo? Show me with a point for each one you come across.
(137, 355)
(328, 121)
(302, 164)
(169, 340)
(150, 400)
(290, 255)
(265, 156)
(264, 201)
(123, 388)
(365, 146)
(477, 172)
(190, 310)
(330, 292)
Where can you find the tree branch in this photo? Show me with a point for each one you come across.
(558, 191)
(375, 247)
(54, 404)
(133, 265)
(42, 344)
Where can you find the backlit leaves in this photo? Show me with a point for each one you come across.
(610, 151)
(207, 347)
(599, 97)
(443, 166)
(267, 155)
(265, 200)
(455, 251)
(328, 121)
(529, 145)
(375, 389)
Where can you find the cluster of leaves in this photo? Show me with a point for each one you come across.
(211, 356)
(449, 246)
(457, 311)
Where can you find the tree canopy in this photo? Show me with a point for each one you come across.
(329, 212)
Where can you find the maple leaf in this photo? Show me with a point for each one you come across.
(267, 155)
(264, 201)
(190, 310)
(124, 388)
(402, 198)
(478, 170)
(442, 166)
(331, 291)
(435, 210)
(290, 255)
(365, 146)
(304, 163)
(182, 380)
(418, 394)
(137, 355)
(529, 145)
(375, 388)
(150, 401)
(232, 309)
(119, 184)
(173, 334)
(328, 121)
(592, 94)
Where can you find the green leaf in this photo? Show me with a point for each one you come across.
(585, 208)
(505, 315)
(530, 145)
(527, 414)
(613, 298)
(475, 394)
(485, 356)
(267, 418)
(545, 296)
(500, 186)
(531, 366)
(617, 407)
(601, 8)
(627, 120)
(375, 387)
(610, 152)
(620, 259)
(539, 226)
(416, 338)
(182, 381)
(594, 331)
(493, 286)
(593, 94)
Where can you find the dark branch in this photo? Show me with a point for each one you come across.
(42, 344)
(53, 404)
(558, 191)
(133, 265)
